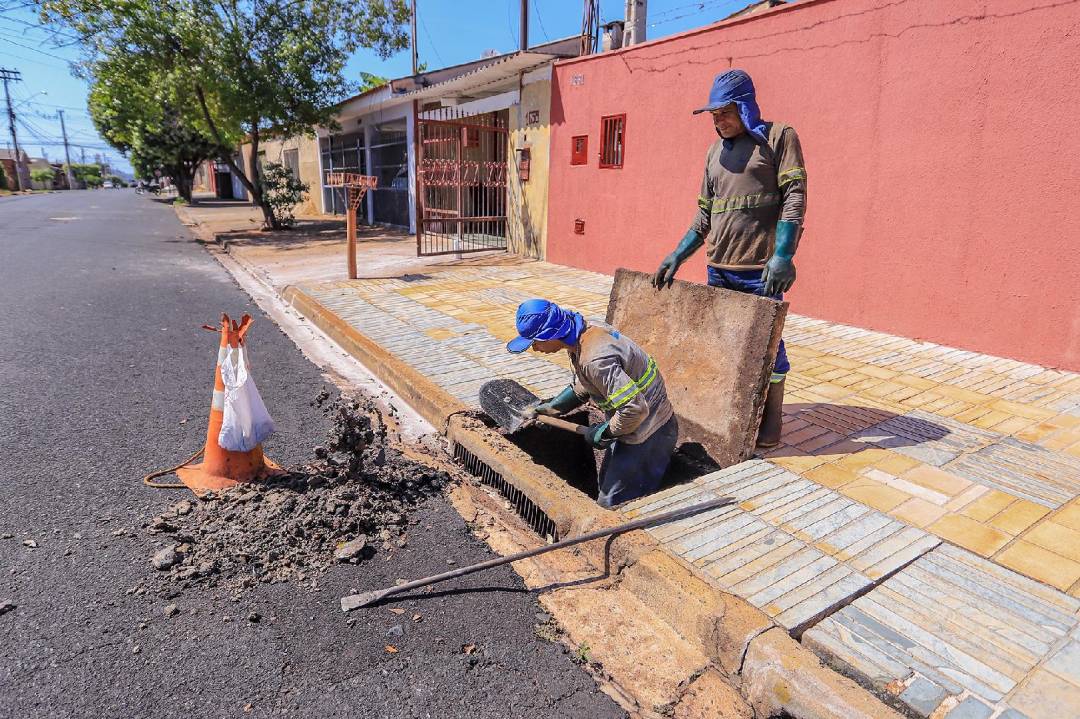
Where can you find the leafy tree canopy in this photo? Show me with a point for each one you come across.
(248, 66)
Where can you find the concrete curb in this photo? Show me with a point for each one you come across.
(425, 396)
(773, 671)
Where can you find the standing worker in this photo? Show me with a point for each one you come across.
(640, 429)
(750, 214)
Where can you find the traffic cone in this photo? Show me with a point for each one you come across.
(220, 467)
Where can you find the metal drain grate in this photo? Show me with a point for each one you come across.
(525, 507)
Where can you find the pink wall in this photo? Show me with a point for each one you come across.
(942, 144)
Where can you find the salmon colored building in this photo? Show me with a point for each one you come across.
(941, 144)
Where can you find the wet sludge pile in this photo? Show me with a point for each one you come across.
(351, 501)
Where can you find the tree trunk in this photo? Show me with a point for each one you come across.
(258, 197)
(184, 177)
(254, 187)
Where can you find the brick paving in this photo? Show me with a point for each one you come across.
(906, 470)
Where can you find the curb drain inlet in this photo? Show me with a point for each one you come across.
(525, 507)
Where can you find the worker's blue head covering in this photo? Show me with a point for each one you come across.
(543, 320)
(736, 86)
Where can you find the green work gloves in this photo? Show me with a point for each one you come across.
(665, 275)
(598, 436)
(560, 403)
(779, 273)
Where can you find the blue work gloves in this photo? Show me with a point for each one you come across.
(598, 436)
(688, 245)
(561, 403)
(779, 273)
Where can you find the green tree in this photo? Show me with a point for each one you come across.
(369, 81)
(43, 175)
(87, 174)
(140, 110)
(251, 67)
(3, 179)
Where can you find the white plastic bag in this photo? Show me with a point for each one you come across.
(246, 422)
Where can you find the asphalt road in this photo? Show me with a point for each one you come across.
(101, 360)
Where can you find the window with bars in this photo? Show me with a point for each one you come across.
(612, 140)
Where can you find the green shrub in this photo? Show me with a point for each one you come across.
(283, 191)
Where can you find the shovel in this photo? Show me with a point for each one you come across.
(513, 407)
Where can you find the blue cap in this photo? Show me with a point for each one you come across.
(736, 86)
(543, 320)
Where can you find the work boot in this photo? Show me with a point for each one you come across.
(772, 417)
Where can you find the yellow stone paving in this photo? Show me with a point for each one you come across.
(845, 381)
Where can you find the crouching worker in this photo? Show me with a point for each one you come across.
(640, 431)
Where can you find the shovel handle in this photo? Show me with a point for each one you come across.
(562, 424)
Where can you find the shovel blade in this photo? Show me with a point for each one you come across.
(508, 403)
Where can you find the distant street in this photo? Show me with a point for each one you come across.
(105, 375)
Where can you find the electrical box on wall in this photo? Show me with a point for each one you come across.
(579, 227)
(523, 157)
(579, 150)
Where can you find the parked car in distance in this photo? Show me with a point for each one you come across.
(108, 184)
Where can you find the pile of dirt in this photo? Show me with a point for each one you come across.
(353, 499)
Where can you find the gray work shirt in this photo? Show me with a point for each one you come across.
(623, 381)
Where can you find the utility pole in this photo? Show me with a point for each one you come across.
(83, 150)
(415, 55)
(524, 40)
(67, 154)
(13, 76)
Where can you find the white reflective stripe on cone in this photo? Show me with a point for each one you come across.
(219, 401)
(222, 351)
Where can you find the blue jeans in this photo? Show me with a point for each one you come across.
(630, 471)
(749, 281)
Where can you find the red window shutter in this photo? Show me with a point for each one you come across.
(579, 150)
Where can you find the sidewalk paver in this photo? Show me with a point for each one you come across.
(957, 631)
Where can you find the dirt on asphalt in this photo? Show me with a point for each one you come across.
(345, 505)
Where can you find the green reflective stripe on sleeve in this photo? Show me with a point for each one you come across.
(795, 173)
(703, 203)
(721, 205)
(632, 389)
(616, 399)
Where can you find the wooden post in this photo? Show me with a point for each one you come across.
(350, 232)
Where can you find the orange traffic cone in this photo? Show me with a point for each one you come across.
(220, 467)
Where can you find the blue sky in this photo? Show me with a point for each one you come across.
(450, 32)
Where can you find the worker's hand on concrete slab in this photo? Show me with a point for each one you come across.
(688, 245)
(778, 276)
(559, 404)
(598, 436)
(665, 275)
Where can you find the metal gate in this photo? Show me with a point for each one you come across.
(461, 182)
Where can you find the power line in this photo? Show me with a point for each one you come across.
(29, 59)
(430, 41)
(701, 7)
(536, 7)
(39, 26)
(34, 49)
(62, 107)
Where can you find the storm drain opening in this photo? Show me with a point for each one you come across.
(535, 517)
